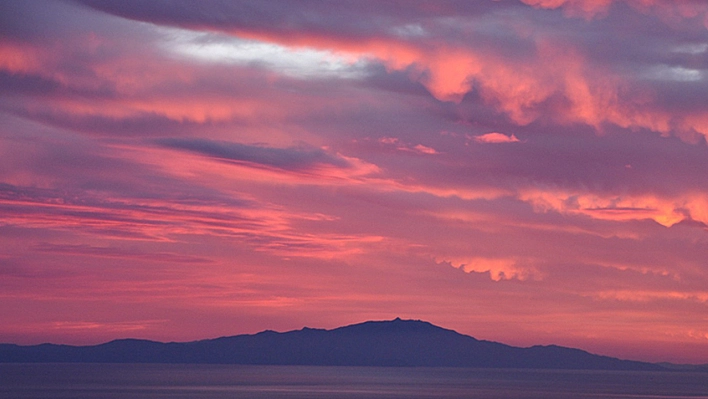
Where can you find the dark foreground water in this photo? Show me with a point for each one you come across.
(141, 381)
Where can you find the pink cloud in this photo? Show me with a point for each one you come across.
(669, 10)
(407, 147)
(666, 211)
(496, 138)
(424, 150)
(498, 268)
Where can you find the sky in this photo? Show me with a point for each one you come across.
(523, 171)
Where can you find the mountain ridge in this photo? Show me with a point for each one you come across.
(392, 343)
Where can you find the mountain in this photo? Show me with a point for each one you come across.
(397, 342)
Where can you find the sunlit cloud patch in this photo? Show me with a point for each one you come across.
(300, 62)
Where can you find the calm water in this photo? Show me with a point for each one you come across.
(227, 381)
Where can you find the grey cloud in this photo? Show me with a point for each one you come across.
(352, 19)
(293, 158)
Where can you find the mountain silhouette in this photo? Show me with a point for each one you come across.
(405, 343)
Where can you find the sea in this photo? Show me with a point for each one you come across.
(153, 381)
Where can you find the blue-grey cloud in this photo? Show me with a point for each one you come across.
(294, 158)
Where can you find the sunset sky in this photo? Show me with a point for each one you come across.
(522, 171)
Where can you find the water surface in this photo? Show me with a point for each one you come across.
(153, 381)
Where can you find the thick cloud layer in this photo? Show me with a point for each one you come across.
(530, 171)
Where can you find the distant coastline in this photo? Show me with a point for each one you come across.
(394, 343)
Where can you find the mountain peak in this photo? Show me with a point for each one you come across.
(396, 323)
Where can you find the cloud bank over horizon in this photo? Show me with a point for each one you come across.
(530, 172)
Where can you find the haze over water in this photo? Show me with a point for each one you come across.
(139, 381)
